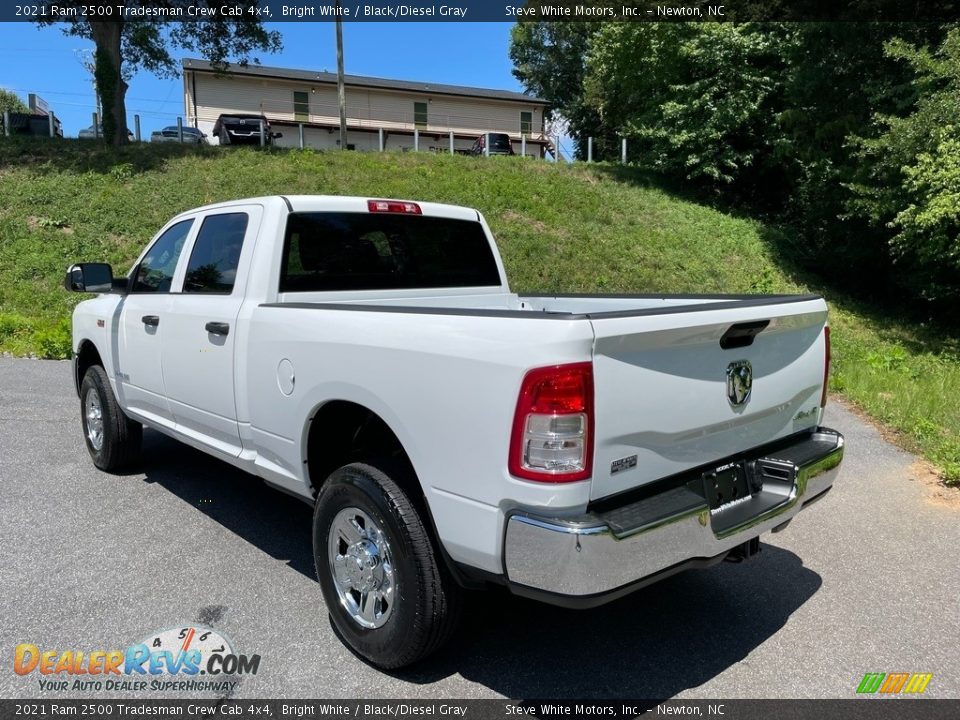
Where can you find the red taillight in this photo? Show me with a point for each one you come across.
(826, 365)
(552, 439)
(393, 206)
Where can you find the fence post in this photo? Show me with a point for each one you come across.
(380, 135)
(523, 145)
(486, 144)
(6, 123)
(623, 151)
(263, 136)
(300, 131)
(589, 149)
(136, 127)
(416, 140)
(451, 142)
(180, 130)
(96, 127)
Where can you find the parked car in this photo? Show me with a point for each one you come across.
(499, 144)
(369, 357)
(236, 129)
(89, 134)
(171, 133)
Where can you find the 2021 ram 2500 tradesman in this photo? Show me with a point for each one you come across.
(368, 356)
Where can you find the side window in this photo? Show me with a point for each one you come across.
(420, 115)
(155, 271)
(526, 122)
(216, 254)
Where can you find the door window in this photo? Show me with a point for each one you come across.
(301, 106)
(526, 122)
(216, 254)
(420, 115)
(155, 271)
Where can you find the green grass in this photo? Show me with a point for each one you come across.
(560, 228)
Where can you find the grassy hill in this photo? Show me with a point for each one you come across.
(566, 228)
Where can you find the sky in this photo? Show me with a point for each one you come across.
(47, 62)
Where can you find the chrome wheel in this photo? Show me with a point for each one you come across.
(94, 416)
(362, 567)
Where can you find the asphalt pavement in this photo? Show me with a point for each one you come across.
(867, 580)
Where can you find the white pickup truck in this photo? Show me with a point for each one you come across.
(368, 356)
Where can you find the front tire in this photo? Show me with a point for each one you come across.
(390, 599)
(112, 439)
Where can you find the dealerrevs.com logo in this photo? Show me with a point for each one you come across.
(185, 659)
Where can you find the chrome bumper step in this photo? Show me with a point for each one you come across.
(620, 541)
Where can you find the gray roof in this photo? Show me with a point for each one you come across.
(365, 81)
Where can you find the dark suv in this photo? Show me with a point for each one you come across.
(237, 129)
(499, 144)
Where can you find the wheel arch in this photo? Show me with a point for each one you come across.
(341, 432)
(87, 355)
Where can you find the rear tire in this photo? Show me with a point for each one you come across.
(112, 439)
(390, 599)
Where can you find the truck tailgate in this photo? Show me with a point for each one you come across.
(661, 386)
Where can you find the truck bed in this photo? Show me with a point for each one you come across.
(660, 364)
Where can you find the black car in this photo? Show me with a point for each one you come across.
(237, 129)
(499, 144)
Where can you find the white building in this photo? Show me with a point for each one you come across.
(291, 98)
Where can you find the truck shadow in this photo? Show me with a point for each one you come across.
(662, 640)
(269, 519)
(655, 643)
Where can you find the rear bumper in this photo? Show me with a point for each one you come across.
(591, 559)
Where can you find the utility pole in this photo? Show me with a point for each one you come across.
(341, 93)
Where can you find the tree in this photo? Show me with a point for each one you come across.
(9, 102)
(549, 58)
(139, 39)
(909, 180)
(697, 99)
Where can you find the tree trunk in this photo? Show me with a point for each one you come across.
(110, 85)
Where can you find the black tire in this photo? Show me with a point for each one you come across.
(426, 601)
(121, 436)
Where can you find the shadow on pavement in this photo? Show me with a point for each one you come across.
(269, 519)
(655, 643)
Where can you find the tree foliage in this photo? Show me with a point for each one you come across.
(549, 58)
(910, 172)
(124, 46)
(693, 97)
(10, 102)
(843, 132)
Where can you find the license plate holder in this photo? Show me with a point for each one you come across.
(725, 484)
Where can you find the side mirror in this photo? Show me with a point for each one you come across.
(89, 277)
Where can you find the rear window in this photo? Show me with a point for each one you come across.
(373, 251)
(499, 140)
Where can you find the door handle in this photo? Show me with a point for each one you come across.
(152, 320)
(218, 328)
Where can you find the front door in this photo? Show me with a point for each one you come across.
(143, 324)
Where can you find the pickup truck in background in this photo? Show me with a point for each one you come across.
(368, 356)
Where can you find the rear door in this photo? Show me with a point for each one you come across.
(200, 330)
(669, 396)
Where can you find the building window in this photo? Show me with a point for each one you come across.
(301, 106)
(420, 115)
(526, 122)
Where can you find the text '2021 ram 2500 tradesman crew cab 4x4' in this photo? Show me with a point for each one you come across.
(368, 356)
